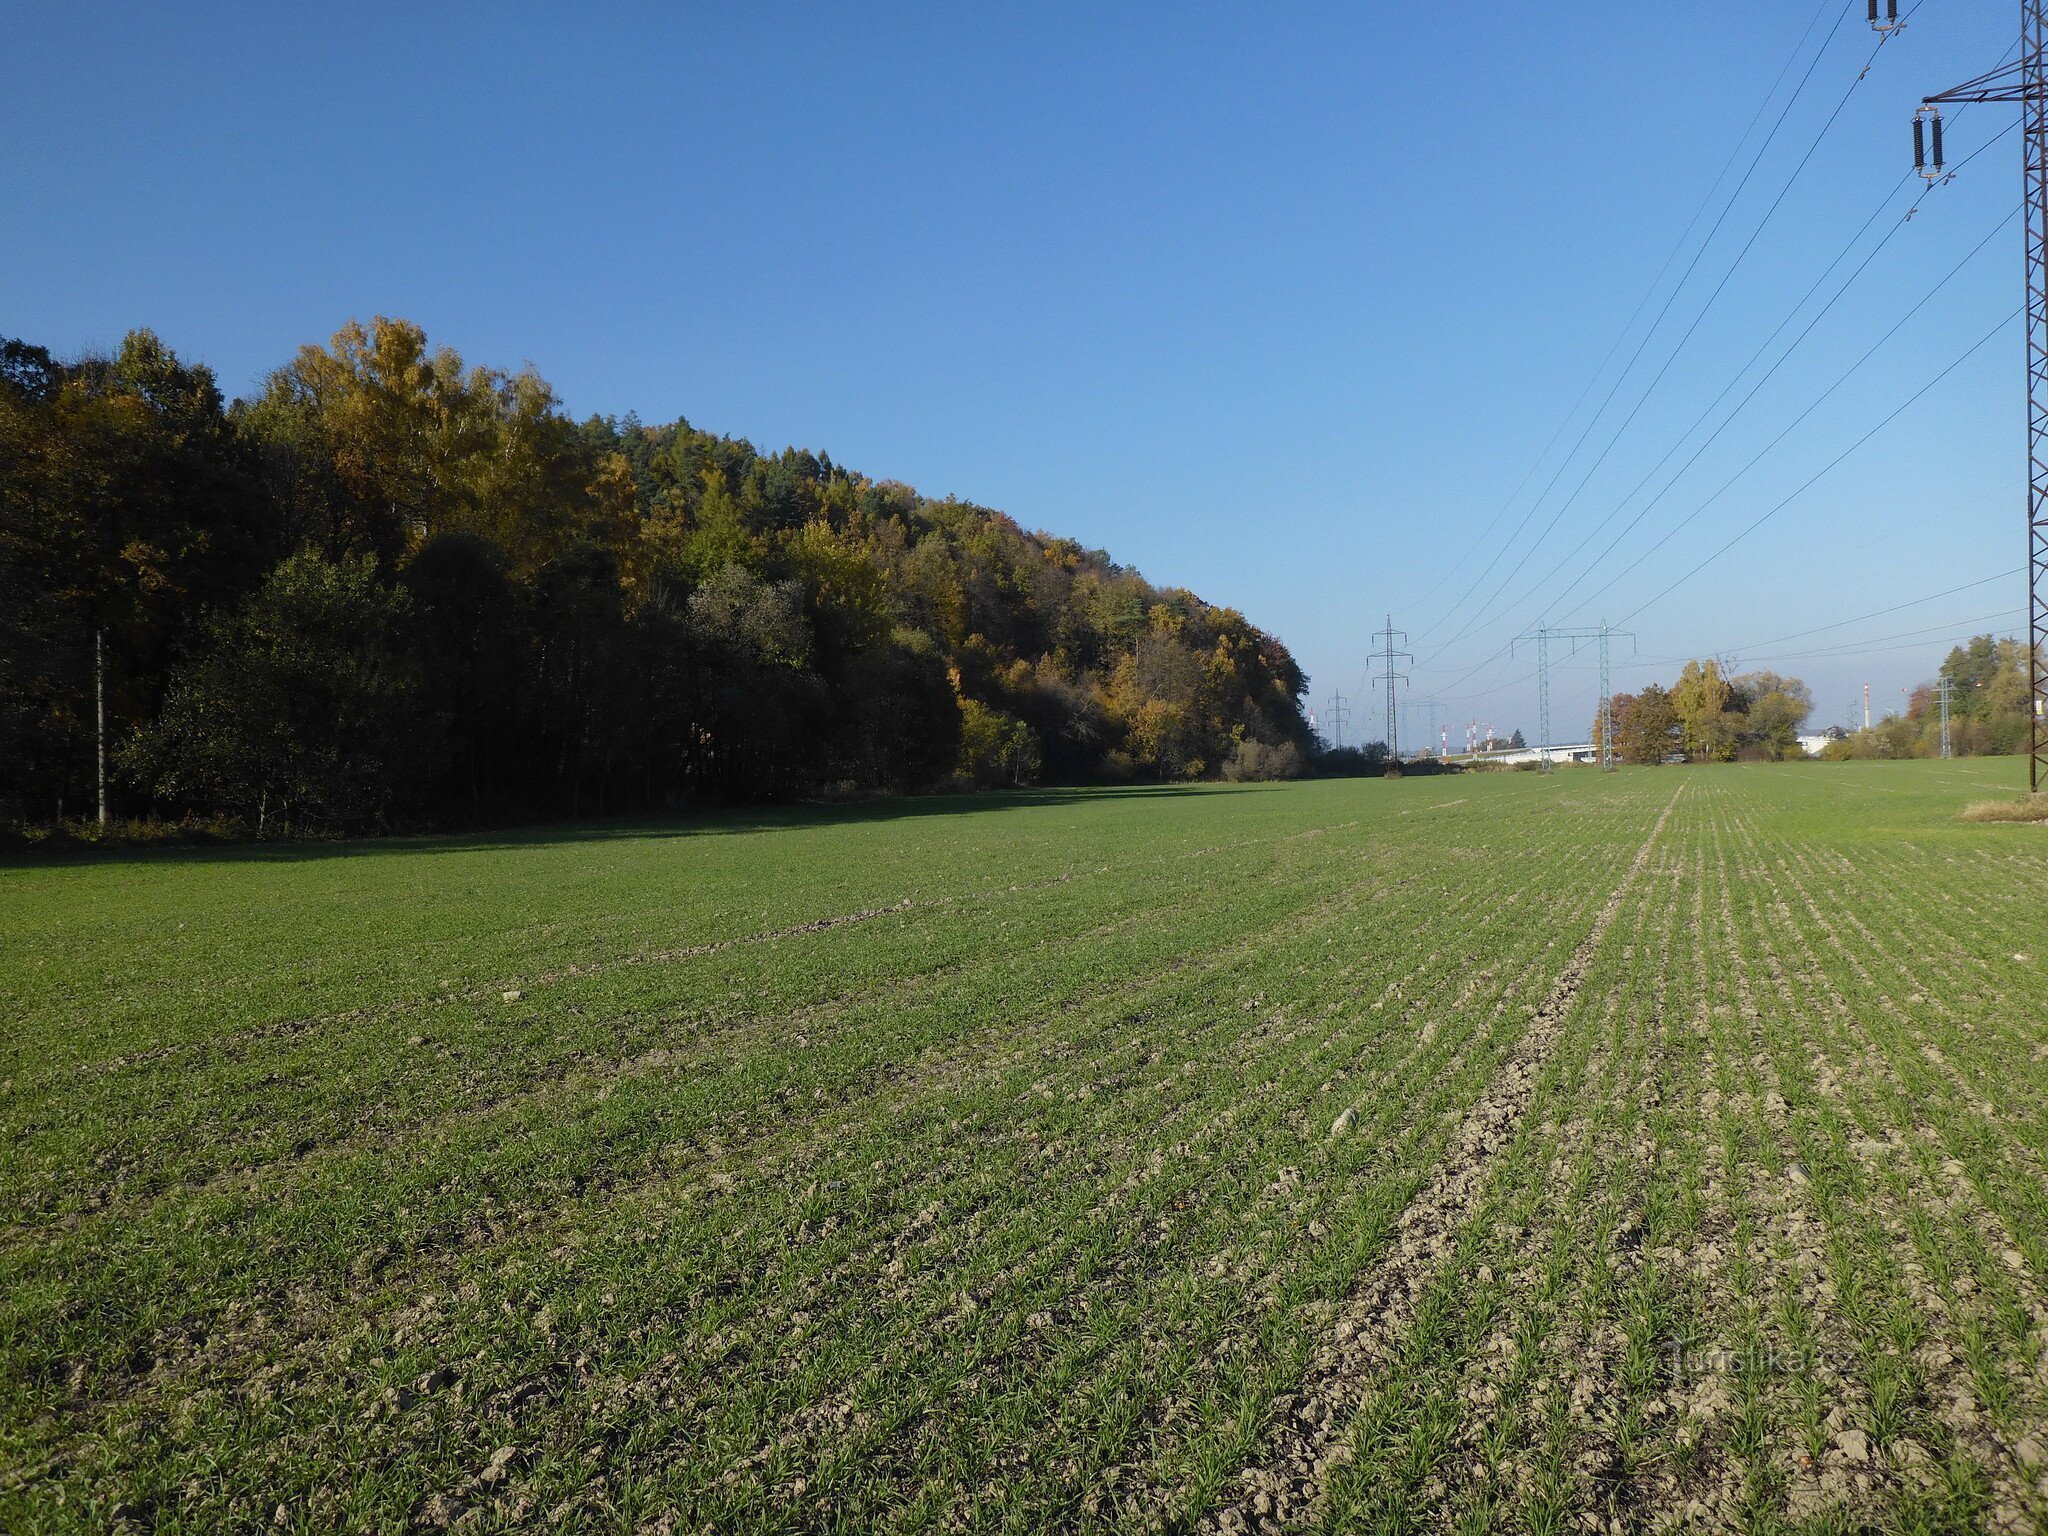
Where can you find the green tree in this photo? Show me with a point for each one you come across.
(1707, 731)
(995, 748)
(1649, 734)
(297, 708)
(1969, 669)
(127, 509)
(1775, 708)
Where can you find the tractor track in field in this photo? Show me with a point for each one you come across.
(1284, 1488)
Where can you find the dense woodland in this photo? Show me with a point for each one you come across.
(396, 590)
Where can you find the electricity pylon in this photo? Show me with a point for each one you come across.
(1336, 715)
(2023, 82)
(1386, 656)
(1942, 692)
(1542, 635)
(1429, 735)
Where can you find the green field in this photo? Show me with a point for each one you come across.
(970, 1164)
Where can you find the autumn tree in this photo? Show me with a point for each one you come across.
(1773, 709)
(1616, 711)
(1650, 731)
(1707, 730)
(573, 616)
(127, 510)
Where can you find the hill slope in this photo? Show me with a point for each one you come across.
(396, 588)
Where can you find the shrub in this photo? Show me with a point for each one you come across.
(1255, 760)
(2030, 808)
(996, 749)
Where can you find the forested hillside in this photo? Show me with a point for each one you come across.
(396, 590)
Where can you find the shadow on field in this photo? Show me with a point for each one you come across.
(681, 824)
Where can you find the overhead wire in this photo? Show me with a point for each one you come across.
(1877, 642)
(1670, 299)
(1820, 629)
(1766, 516)
(1759, 651)
(1846, 648)
(1862, 266)
(1649, 389)
(1734, 152)
(1679, 526)
(1761, 453)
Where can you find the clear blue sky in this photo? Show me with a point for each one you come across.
(1279, 303)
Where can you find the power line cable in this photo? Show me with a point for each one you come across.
(1676, 350)
(1821, 629)
(1797, 341)
(1757, 650)
(1790, 427)
(1755, 459)
(1735, 150)
(1670, 299)
(1791, 314)
(1765, 517)
(1875, 642)
(1740, 373)
(1762, 380)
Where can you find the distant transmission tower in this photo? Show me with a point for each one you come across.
(1430, 704)
(1942, 692)
(1610, 755)
(1337, 715)
(1386, 656)
(1542, 635)
(2025, 83)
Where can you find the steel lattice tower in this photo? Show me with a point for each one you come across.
(2024, 82)
(1542, 635)
(1605, 714)
(1386, 656)
(1337, 714)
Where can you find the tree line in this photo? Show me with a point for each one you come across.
(393, 589)
(1989, 700)
(1707, 717)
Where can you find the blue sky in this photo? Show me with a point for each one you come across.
(1280, 303)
